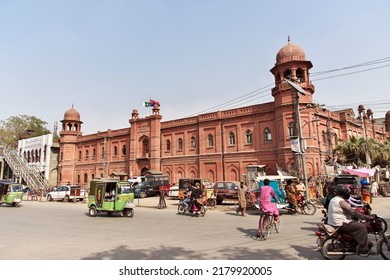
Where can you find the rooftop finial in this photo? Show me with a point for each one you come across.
(288, 40)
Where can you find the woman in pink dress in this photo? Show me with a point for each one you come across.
(266, 192)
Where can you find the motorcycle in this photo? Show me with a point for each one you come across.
(190, 207)
(364, 209)
(335, 245)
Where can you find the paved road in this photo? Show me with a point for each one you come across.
(64, 231)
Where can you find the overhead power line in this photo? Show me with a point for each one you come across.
(256, 94)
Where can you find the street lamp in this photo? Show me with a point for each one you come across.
(297, 90)
(362, 115)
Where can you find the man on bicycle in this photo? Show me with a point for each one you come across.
(266, 193)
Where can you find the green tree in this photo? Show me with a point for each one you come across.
(353, 152)
(21, 127)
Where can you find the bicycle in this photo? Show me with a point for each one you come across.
(266, 223)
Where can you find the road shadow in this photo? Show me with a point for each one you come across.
(180, 253)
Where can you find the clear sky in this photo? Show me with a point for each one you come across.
(193, 56)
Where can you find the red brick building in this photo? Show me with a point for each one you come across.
(218, 145)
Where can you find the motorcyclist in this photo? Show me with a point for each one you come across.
(195, 195)
(290, 192)
(187, 198)
(340, 215)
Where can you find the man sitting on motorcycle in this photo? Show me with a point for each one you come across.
(195, 195)
(340, 215)
(290, 192)
(187, 198)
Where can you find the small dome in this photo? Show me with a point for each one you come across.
(290, 52)
(72, 115)
(387, 116)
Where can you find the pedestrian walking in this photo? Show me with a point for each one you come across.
(241, 199)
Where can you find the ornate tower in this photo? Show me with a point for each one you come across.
(145, 142)
(291, 64)
(71, 129)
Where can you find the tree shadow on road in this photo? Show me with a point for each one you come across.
(179, 253)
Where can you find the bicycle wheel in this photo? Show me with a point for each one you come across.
(261, 228)
(265, 226)
(309, 208)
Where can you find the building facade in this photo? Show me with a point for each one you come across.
(42, 153)
(220, 145)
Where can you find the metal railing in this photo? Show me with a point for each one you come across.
(29, 173)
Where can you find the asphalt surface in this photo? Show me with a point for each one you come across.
(64, 231)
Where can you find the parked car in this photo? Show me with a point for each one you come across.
(174, 191)
(226, 190)
(66, 193)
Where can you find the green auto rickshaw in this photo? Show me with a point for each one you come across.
(111, 196)
(11, 193)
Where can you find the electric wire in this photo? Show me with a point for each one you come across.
(257, 94)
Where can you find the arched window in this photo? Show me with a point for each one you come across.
(193, 142)
(145, 148)
(168, 145)
(267, 135)
(291, 130)
(80, 155)
(210, 139)
(124, 150)
(85, 177)
(300, 73)
(248, 137)
(180, 144)
(94, 153)
(86, 154)
(115, 150)
(78, 179)
(287, 74)
(232, 138)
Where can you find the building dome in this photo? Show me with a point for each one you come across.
(290, 52)
(72, 115)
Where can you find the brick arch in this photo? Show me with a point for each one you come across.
(192, 172)
(211, 175)
(179, 173)
(233, 173)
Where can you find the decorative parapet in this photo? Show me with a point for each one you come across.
(215, 116)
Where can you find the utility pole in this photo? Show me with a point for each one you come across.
(296, 90)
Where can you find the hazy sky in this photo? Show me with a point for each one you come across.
(193, 56)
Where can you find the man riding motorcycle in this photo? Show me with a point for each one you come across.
(340, 215)
(195, 195)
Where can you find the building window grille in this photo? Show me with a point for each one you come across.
(180, 144)
(193, 142)
(168, 145)
(232, 138)
(210, 140)
(249, 137)
(267, 135)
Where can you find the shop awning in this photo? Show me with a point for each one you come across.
(361, 172)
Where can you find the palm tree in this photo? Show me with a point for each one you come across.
(353, 151)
